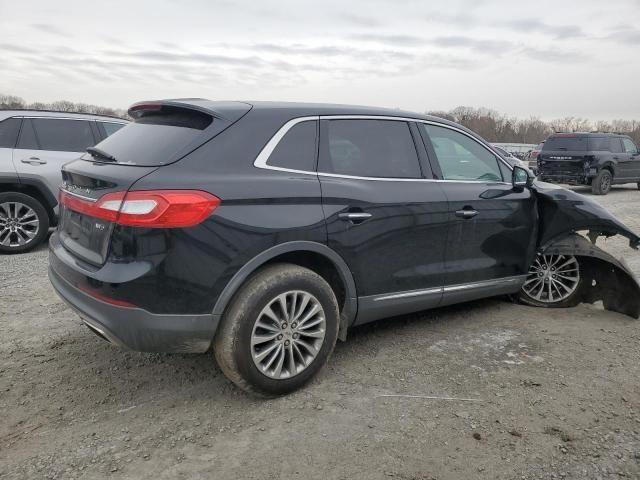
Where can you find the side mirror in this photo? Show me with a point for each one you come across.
(520, 178)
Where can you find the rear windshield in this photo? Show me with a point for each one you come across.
(568, 143)
(154, 139)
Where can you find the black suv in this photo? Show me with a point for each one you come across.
(263, 231)
(596, 159)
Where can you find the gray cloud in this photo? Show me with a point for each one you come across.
(360, 20)
(399, 40)
(477, 44)
(14, 48)
(50, 29)
(554, 56)
(529, 25)
(626, 35)
(534, 25)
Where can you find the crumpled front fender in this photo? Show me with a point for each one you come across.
(603, 277)
(563, 211)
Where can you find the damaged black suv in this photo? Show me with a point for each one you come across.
(264, 231)
(597, 159)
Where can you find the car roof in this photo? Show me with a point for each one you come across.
(58, 114)
(297, 109)
(587, 134)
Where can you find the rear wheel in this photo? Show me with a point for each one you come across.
(279, 330)
(552, 281)
(24, 222)
(601, 184)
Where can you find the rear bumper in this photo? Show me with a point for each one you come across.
(135, 328)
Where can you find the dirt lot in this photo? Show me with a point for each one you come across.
(541, 394)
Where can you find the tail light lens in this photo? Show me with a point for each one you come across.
(147, 208)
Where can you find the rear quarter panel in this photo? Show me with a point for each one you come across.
(259, 209)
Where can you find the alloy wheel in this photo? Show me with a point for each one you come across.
(288, 334)
(552, 278)
(19, 224)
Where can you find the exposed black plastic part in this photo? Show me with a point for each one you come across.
(605, 278)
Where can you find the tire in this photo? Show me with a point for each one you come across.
(23, 229)
(638, 185)
(561, 264)
(601, 184)
(233, 345)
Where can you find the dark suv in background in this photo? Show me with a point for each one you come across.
(264, 231)
(597, 159)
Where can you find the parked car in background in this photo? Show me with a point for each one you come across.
(513, 160)
(532, 158)
(33, 147)
(597, 159)
(263, 231)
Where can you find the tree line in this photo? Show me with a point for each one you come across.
(497, 128)
(11, 102)
(491, 125)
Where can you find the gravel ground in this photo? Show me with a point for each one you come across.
(529, 394)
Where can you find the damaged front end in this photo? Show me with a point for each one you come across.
(562, 213)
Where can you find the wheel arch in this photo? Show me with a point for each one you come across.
(315, 256)
(34, 188)
(609, 165)
(607, 278)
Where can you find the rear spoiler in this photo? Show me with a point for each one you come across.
(228, 111)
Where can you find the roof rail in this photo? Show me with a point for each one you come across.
(2, 109)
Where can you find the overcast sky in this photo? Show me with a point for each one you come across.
(542, 58)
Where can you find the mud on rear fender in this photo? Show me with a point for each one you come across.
(603, 276)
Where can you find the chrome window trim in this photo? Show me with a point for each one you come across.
(452, 288)
(109, 121)
(263, 157)
(58, 118)
(267, 150)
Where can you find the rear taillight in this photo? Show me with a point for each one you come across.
(147, 208)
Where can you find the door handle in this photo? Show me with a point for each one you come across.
(33, 161)
(466, 213)
(354, 217)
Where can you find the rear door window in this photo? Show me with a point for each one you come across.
(9, 129)
(63, 135)
(297, 149)
(599, 144)
(462, 158)
(370, 148)
(28, 140)
(111, 127)
(571, 143)
(616, 145)
(629, 146)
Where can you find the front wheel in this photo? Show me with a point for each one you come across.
(279, 330)
(601, 184)
(24, 222)
(552, 281)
